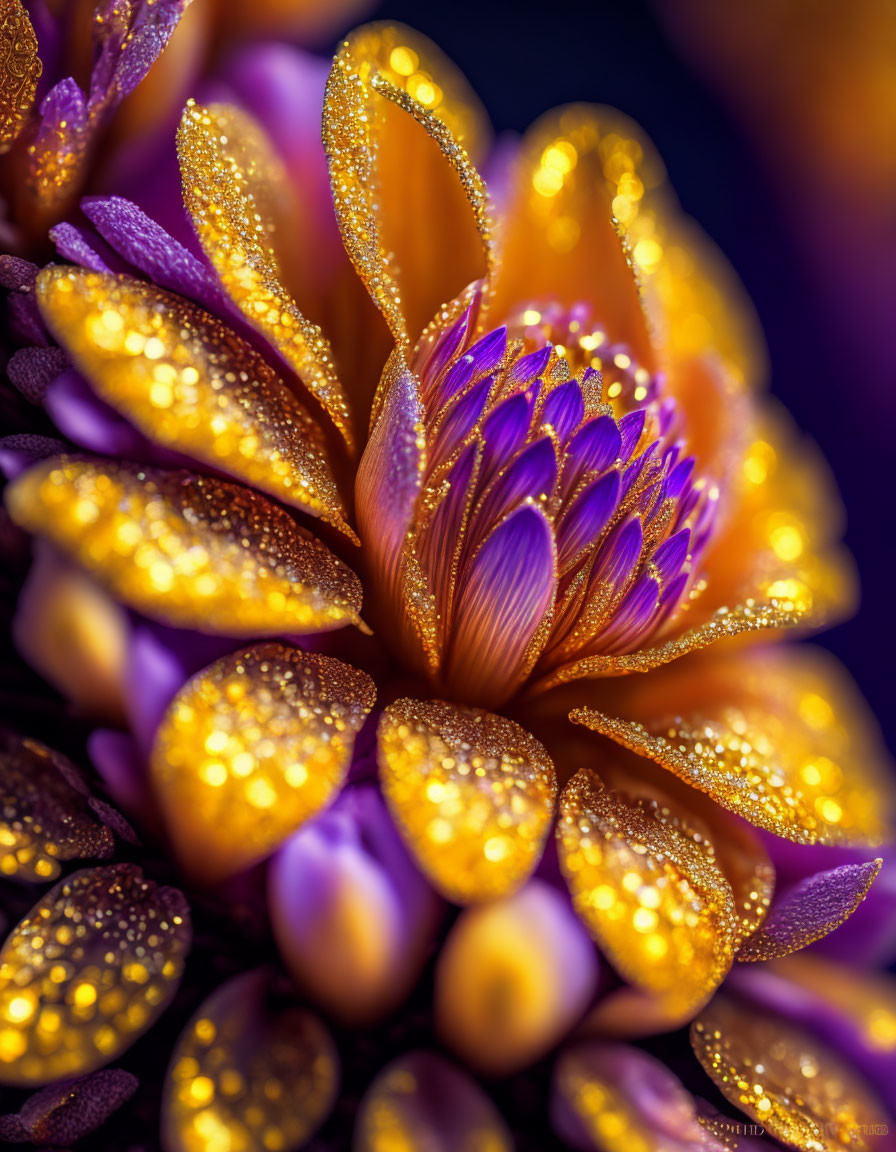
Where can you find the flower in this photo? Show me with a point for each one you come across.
(368, 650)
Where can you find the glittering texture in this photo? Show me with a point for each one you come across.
(613, 1098)
(248, 1073)
(420, 1101)
(230, 175)
(472, 793)
(45, 817)
(377, 87)
(69, 1110)
(87, 971)
(651, 890)
(250, 748)
(810, 910)
(193, 551)
(58, 153)
(789, 1082)
(774, 738)
(190, 384)
(20, 69)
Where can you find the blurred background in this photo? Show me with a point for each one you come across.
(777, 122)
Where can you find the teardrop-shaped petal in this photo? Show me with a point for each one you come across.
(193, 551)
(189, 383)
(87, 971)
(421, 1100)
(779, 737)
(252, 747)
(650, 890)
(45, 816)
(800, 1091)
(472, 793)
(231, 179)
(395, 107)
(811, 910)
(20, 70)
(513, 977)
(249, 1071)
(614, 1098)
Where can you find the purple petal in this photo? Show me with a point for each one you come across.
(593, 448)
(564, 409)
(633, 615)
(505, 430)
(531, 475)
(32, 369)
(618, 556)
(587, 517)
(679, 477)
(80, 247)
(71, 1109)
(16, 273)
(630, 428)
(20, 451)
(529, 367)
(460, 420)
(671, 554)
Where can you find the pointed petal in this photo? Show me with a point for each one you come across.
(72, 1002)
(19, 72)
(421, 1100)
(811, 910)
(252, 747)
(472, 793)
(189, 550)
(373, 144)
(505, 595)
(650, 891)
(231, 176)
(190, 384)
(778, 737)
(800, 1091)
(250, 1070)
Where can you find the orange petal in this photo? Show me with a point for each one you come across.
(252, 747)
(472, 793)
(796, 1088)
(188, 382)
(20, 70)
(87, 971)
(190, 550)
(412, 209)
(231, 181)
(650, 889)
(248, 1073)
(561, 239)
(779, 737)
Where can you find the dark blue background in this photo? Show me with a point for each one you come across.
(525, 57)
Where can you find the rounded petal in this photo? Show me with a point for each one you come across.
(252, 747)
(421, 1100)
(249, 1071)
(193, 551)
(90, 968)
(512, 978)
(472, 793)
(69, 1110)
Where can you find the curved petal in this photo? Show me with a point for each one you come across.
(69, 1110)
(190, 550)
(250, 748)
(411, 206)
(248, 1072)
(421, 1100)
(472, 793)
(231, 180)
(811, 910)
(20, 70)
(780, 737)
(801, 1092)
(70, 1003)
(650, 889)
(191, 384)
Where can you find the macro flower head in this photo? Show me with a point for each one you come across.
(431, 596)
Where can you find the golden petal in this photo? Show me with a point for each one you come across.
(472, 793)
(44, 813)
(87, 971)
(779, 737)
(561, 238)
(790, 1083)
(20, 70)
(193, 551)
(412, 209)
(650, 889)
(250, 748)
(231, 176)
(187, 381)
(248, 1073)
